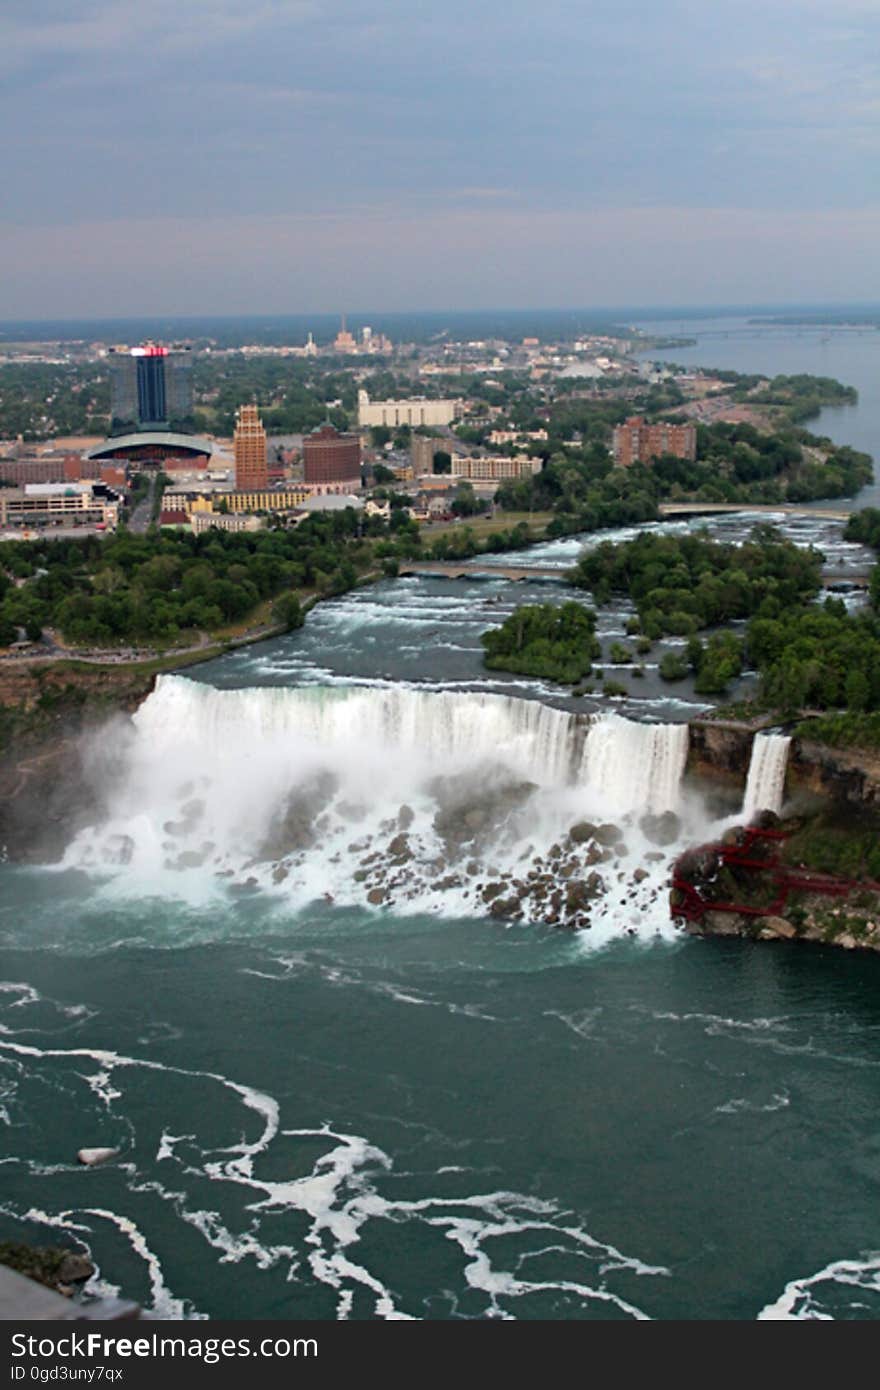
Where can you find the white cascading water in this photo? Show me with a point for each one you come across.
(453, 803)
(633, 765)
(765, 784)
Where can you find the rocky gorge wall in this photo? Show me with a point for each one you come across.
(46, 710)
(720, 751)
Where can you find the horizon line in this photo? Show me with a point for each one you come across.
(611, 309)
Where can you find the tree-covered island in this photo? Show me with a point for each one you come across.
(810, 658)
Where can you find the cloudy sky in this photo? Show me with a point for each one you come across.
(229, 156)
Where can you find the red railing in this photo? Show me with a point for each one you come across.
(692, 905)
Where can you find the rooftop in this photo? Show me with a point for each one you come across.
(166, 438)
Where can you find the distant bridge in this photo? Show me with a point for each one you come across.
(475, 569)
(437, 569)
(464, 569)
(683, 509)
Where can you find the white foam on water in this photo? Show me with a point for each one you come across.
(164, 1304)
(780, 1100)
(841, 1280)
(338, 1198)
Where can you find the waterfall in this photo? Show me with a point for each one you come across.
(437, 730)
(393, 797)
(627, 766)
(765, 783)
(635, 766)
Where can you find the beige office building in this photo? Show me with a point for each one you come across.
(495, 470)
(413, 412)
(57, 504)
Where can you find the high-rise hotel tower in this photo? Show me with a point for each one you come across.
(251, 466)
(150, 386)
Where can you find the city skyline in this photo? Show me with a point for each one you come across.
(231, 157)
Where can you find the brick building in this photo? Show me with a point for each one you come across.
(249, 442)
(331, 457)
(635, 441)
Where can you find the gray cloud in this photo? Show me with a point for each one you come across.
(198, 112)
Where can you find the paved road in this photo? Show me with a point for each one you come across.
(142, 514)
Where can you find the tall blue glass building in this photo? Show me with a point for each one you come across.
(150, 387)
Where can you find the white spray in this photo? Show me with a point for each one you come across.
(444, 802)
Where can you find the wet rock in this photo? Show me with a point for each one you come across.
(577, 895)
(279, 873)
(724, 924)
(734, 835)
(360, 875)
(491, 891)
(399, 849)
(504, 907)
(697, 864)
(122, 848)
(376, 896)
(75, 1269)
(662, 829)
(250, 885)
(654, 856)
(299, 821)
(190, 859)
(608, 834)
(581, 832)
(594, 855)
(775, 929)
(405, 817)
(640, 875)
(467, 813)
(91, 1157)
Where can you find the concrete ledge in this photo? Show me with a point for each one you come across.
(23, 1300)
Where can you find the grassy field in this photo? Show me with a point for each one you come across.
(483, 526)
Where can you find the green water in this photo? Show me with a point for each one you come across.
(444, 1118)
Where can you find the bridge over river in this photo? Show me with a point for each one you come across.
(478, 569)
(473, 569)
(671, 510)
